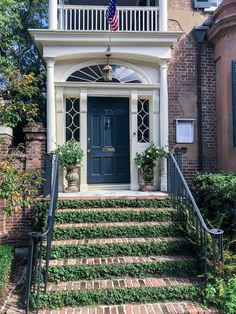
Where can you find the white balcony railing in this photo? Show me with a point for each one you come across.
(84, 18)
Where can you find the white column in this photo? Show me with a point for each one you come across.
(52, 14)
(164, 121)
(163, 16)
(134, 184)
(83, 139)
(51, 110)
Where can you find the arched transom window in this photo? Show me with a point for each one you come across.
(94, 73)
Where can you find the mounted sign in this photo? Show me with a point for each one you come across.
(203, 4)
(185, 130)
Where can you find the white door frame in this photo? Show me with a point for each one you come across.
(134, 92)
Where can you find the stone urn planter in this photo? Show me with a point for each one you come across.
(146, 162)
(72, 177)
(70, 158)
(147, 172)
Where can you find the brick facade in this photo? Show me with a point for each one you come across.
(35, 143)
(15, 229)
(182, 78)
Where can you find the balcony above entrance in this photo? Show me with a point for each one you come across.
(90, 15)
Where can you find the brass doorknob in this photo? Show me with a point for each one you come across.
(89, 150)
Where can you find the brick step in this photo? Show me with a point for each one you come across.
(121, 283)
(117, 241)
(99, 215)
(115, 209)
(185, 307)
(116, 224)
(120, 260)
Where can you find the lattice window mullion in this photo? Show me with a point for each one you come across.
(143, 121)
(72, 119)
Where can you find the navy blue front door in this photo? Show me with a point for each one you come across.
(108, 140)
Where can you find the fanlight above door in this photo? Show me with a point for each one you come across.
(94, 73)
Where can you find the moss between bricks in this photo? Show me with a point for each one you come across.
(114, 216)
(116, 232)
(119, 249)
(60, 299)
(94, 272)
(40, 207)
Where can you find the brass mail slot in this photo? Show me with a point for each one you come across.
(108, 150)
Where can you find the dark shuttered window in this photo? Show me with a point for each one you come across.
(234, 100)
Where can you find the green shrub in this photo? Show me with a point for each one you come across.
(222, 294)
(6, 259)
(215, 194)
(18, 187)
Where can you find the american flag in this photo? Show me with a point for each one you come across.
(112, 17)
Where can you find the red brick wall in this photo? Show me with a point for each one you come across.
(35, 142)
(209, 130)
(5, 144)
(182, 85)
(15, 229)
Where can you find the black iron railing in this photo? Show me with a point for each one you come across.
(35, 280)
(208, 242)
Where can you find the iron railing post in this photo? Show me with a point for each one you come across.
(34, 266)
(182, 196)
(29, 274)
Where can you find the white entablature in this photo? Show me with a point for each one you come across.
(65, 45)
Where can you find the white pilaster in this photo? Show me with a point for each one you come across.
(163, 16)
(155, 129)
(60, 130)
(164, 121)
(51, 110)
(83, 139)
(134, 184)
(52, 15)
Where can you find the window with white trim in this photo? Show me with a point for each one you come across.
(143, 121)
(72, 119)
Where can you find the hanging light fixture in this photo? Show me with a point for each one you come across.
(107, 70)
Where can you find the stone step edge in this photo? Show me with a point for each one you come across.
(115, 209)
(161, 197)
(123, 260)
(117, 241)
(187, 307)
(117, 224)
(125, 283)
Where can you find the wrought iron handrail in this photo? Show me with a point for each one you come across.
(34, 280)
(209, 241)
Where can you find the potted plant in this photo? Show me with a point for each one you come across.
(70, 159)
(146, 161)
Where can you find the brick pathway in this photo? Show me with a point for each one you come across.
(119, 260)
(117, 240)
(117, 224)
(121, 283)
(124, 209)
(157, 308)
(13, 302)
